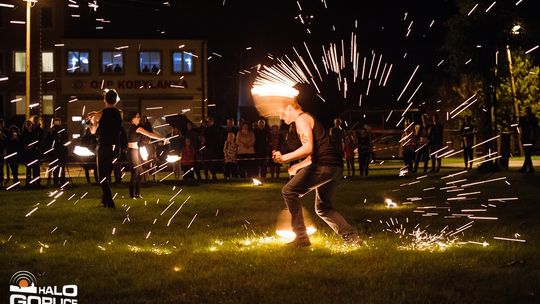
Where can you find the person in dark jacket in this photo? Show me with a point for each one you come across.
(214, 139)
(467, 132)
(13, 152)
(436, 142)
(529, 135)
(364, 151)
(57, 139)
(30, 141)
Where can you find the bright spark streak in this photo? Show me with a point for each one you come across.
(483, 182)
(508, 239)
(485, 141)
(193, 219)
(532, 49)
(409, 82)
(30, 213)
(170, 219)
(489, 8)
(472, 10)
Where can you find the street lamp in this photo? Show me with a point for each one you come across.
(29, 5)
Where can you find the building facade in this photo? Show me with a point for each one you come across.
(155, 77)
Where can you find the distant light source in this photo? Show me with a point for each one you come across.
(517, 29)
(82, 151)
(256, 182)
(172, 158)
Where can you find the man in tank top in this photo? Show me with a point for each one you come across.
(321, 170)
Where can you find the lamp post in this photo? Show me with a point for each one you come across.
(517, 30)
(28, 35)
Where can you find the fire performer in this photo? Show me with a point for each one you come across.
(134, 134)
(321, 169)
(107, 125)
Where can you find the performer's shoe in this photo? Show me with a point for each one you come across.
(353, 239)
(299, 242)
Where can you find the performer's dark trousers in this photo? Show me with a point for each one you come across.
(467, 155)
(105, 156)
(527, 163)
(136, 170)
(325, 179)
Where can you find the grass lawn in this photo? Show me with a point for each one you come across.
(221, 246)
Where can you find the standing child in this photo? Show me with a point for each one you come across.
(188, 159)
(230, 150)
(350, 145)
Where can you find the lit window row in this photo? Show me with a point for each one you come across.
(150, 62)
(47, 62)
(112, 62)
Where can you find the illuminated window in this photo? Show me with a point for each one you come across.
(112, 62)
(78, 62)
(47, 62)
(149, 62)
(48, 104)
(182, 62)
(19, 64)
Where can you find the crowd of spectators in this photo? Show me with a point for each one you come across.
(239, 151)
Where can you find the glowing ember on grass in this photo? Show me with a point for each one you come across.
(389, 203)
(289, 234)
(82, 151)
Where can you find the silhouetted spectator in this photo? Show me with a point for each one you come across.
(275, 144)
(529, 134)
(230, 127)
(436, 143)
(188, 160)
(246, 151)
(230, 151)
(13, 152)
(349, 147)
(409, 142)
(364, 151)
(422, 152)
(213, 135)
(336, 136)
(262, 155)
(30, 141)
(467, 132)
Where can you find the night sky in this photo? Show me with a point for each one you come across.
(274, 27)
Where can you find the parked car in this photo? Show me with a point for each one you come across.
(387, 146)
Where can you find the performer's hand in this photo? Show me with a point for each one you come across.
(277, 157)
(293, 170)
